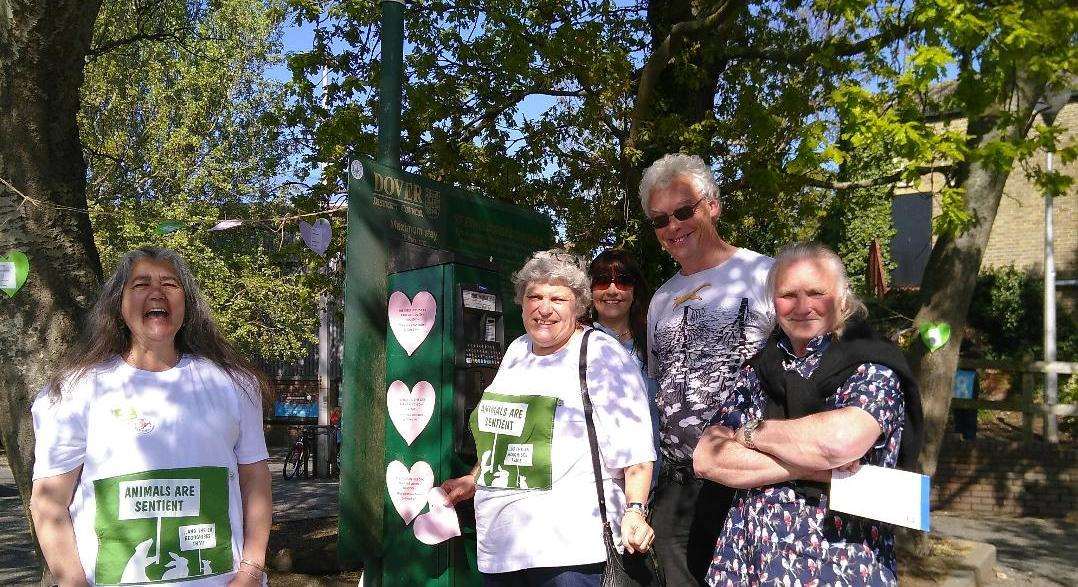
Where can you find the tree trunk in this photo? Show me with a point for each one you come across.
(43, 46)
(951, 273)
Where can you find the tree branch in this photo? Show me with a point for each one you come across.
(475, 126)
(660, 58)
(871, 182)
(105, 47)
(843, 47)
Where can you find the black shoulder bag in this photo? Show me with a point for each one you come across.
(617, 572)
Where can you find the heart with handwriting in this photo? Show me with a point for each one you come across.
(408, 488)
(410, 410)
(411, 321)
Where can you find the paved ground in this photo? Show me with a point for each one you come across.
(17, 557)
(1030, 551)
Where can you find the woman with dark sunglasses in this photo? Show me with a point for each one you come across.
(620, 299)
(619, 307)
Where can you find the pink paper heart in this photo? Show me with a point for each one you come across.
(316, 235)
(411, 321)
(440, 523)
(410, 411)
(408, 489)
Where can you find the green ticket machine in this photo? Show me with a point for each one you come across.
(446, 338)
(428, 313)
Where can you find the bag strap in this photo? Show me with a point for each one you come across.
(608, 537)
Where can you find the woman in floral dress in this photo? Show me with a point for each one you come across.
(824, 394)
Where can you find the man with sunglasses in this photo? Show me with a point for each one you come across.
(703, 323)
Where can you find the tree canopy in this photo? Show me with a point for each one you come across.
(181, 123)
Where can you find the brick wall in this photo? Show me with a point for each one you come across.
(999, 477)
(1017, 236)
(1018, 233)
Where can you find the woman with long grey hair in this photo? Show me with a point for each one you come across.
(150, 462)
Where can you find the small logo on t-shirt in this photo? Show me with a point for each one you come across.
(131, 416)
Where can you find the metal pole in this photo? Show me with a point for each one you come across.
(324, 444)
(1051, 379)
(389, 85)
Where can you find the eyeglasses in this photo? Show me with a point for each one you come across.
(622, 281)
(683, 213)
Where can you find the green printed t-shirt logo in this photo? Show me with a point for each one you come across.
(512, 438)
(165, 525)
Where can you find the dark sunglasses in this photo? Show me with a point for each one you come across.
(621, 281)
(683, 213)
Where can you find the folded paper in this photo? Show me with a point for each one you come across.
(440, 523)
(888, 495)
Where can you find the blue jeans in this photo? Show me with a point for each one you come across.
(575, 576)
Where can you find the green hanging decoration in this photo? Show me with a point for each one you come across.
(935, 335)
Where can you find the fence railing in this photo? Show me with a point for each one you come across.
(1024, 402)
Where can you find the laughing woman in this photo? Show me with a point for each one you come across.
(150, 459)
(537, 513)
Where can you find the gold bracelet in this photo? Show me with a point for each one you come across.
(253, 564)
(256, 576)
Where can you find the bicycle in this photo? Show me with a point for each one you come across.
(306, 447)
(297, 455)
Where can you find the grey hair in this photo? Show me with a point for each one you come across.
(107, 335)
(848, 303)
(559, 267)
(677, 165)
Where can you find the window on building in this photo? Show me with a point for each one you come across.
(912, 216)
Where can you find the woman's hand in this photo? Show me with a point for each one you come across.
(635, 532)
(459, 489)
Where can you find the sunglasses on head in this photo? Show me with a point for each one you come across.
(683, 213)
(620, 280)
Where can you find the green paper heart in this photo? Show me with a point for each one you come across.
(169, 226)
(935, 334)
(17, 263)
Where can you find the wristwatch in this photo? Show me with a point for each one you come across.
(749, 429)
(640, 507)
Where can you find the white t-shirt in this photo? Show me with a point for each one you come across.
(522, 529)
(159, 483)
(701, 328)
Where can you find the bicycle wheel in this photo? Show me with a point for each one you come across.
(296, 456)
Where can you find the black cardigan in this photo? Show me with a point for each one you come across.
(791, 396)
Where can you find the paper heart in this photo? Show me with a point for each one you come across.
(411, 321)
(440, 523)
(14, 268)
(227, 224)
(316, 235)
(169, 226)
(408, 489)
(935, 334)
(410, 411)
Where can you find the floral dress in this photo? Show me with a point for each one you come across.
(775, 535)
